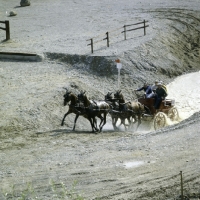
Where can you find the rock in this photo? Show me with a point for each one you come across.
(25, 3)
(13, 13)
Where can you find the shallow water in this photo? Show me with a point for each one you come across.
(134, 164)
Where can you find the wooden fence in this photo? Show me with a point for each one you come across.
(125, 30)
(7, 28)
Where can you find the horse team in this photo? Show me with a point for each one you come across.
(117, 107)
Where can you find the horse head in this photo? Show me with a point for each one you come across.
(82, 96)
(66, 97)
(119, 96)
(108, 96)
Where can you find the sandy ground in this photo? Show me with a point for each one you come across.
(186, 93)
(39, 159)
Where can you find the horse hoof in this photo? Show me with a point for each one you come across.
(94, 131)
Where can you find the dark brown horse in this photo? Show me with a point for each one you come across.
(134, 109)
(78, 109)
(95, 108)
(115, 113)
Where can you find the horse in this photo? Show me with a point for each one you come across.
(115, 113)
(135, 109)
(95, 108)
(77, 109)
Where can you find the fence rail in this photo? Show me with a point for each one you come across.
(124, 32)
(7, 28)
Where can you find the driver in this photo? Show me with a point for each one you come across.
(147, 89)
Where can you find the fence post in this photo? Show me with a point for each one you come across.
(7, 30)
(181, 185)
(92, 46)
(107, 39)
(124, 32)
(144, 28)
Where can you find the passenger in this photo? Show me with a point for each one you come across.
(147, 89)
(160, 95)
(164, 86)
(154, 86)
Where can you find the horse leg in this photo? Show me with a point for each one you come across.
(130, 122)
(124, 123)
(139, 121)
(135, 120)
(64, 117)
(92, 123)
(104, 121)
(114, 121)
(77, 115)
(95, 124)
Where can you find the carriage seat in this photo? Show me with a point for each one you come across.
(169, 102)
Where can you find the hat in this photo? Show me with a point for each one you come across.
(159, 83)
(145, 83)
(156, 81)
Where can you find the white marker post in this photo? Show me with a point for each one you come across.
(119, 66)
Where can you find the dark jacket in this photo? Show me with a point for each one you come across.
(161, 93)
(147, 89)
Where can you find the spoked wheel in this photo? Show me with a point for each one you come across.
(173, 114)
(159, 120)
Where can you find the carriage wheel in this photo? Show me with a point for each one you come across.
(159, 120)
(173, 114)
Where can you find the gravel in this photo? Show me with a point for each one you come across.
(39, 159)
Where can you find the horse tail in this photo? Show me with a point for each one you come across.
(143, 109)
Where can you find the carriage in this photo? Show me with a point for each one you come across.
(167, 109)
(118, 108)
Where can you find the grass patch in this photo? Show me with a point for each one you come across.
(58, 191)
